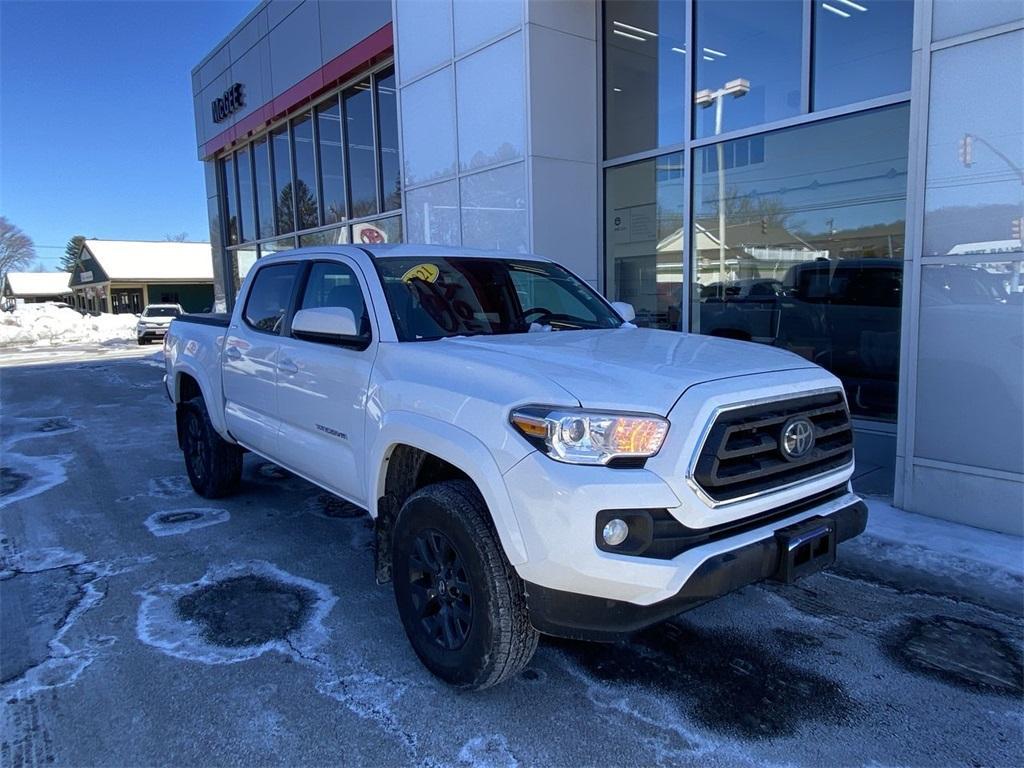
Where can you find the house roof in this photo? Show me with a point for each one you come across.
(142, 260)
(38, 283)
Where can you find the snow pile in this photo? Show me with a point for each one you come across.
(48, 325)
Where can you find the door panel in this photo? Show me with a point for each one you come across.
(322, 389)
(251, 351)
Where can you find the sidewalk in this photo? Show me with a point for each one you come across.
(917, 553)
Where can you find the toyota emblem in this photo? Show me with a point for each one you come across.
(797, 438)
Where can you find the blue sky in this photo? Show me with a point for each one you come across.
(97, 132)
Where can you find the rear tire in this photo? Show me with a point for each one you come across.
(213, 464)
(461, 602)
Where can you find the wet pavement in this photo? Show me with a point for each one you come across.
(143, 625)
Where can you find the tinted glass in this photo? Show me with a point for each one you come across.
(805, 251)
(378, 232)
(264, 189)
(861, 50)
(970, 366)
(332, 164)
(162, 312)
(976, 148)
(227, 166)
(333, 236)
(644, 238)
(242, 260)
(759, 41)
(245, 196)
(305, 173)
(644, 76)
(387, 111)
(335, 285)
(283, 211)
(360, 155)
(270, 296)
(439, 297)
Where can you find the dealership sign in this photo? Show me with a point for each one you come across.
(232, 101)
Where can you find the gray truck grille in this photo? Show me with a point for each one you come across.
(742, 456)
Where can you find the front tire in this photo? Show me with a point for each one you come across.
(213, 464)
(143, 341)
(461, 602)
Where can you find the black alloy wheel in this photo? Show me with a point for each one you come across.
(440, 589)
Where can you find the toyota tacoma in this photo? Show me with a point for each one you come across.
(533, 462)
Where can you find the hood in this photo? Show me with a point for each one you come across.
(633, 369)
(156, 320)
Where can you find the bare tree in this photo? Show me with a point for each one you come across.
(181, 237)
(16, 248)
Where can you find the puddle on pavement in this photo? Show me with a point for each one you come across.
(960, 653)
(727, 682)
(11, 481)
(172, 518)
(56, 424)
(246, 610)
(332, 506)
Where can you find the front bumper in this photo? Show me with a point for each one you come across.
(150, 333)
(584, 617)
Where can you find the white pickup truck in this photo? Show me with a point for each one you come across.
(533, 461)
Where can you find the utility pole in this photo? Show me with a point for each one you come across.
(705, 98)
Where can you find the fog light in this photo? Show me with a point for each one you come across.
(615, 532)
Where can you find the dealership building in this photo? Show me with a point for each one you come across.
(840, 178)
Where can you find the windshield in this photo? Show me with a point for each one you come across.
(161, 312)
(433, 298)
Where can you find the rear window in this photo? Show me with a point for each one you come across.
(162, 312)
(270, 296)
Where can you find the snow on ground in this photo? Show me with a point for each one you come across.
(50, 325)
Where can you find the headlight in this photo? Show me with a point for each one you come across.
(579, 436)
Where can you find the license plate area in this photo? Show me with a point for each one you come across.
(805, 548)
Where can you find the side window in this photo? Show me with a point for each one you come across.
(332, 284)
(269, 297)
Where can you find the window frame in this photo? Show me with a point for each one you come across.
(286, 319)
(359, 344)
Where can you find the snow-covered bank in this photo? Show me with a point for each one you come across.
(49, 325)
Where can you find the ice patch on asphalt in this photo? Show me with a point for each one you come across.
(27, 476)
(65, 662)
(179, 521)
(23, 476)
(487, 752)
(161, 625)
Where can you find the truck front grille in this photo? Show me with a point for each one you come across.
(742, 456)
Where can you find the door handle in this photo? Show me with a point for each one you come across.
(232, 353)
(288, 366)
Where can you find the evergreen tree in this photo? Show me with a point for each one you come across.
(67, 260)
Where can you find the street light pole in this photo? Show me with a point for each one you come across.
(704, 98)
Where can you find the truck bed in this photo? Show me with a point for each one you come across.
(218, 319)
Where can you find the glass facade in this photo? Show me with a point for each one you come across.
(791, 236)
(644, 235)
(329, 175)
(759, 41)
(284, 205)
(861, 50)
(306, 209)
(245, 195)
(801, 247)
(359, 149)
(645, 75)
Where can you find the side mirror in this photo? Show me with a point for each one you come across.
(336, 325)
(624, 310)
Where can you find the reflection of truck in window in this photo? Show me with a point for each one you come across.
(841, 314)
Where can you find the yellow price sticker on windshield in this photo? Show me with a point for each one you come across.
(426, 272)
